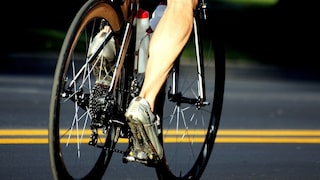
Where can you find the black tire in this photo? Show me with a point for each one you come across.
(189, 128)
(69, 117)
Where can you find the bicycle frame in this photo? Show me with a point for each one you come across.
(92, 91)
(129, 9)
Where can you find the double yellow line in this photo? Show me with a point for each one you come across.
(300, 136)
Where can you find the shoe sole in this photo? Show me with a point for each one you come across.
(140, 134)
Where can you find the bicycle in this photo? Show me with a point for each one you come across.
(189, 105)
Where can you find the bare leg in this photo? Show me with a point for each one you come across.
(167, 41)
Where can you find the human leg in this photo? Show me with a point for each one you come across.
(167, 41)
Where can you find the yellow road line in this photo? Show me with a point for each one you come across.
(23, 132)
(223, 132)
(173, 140)
(304, 136)
(283, 132)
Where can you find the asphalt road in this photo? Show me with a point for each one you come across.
(270, 127)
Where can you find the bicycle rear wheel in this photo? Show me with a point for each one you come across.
(70, 116)
(191, 113)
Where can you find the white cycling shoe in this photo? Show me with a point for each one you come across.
(104, 64)
(143, 124)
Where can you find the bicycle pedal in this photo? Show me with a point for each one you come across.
(132, 158)
(141, 157)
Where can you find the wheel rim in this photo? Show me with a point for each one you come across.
(188, 130)
(69, 125)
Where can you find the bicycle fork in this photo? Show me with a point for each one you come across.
(174, 93)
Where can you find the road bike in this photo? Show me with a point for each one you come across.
(87, 126)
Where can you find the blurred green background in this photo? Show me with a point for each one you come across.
(278, 32)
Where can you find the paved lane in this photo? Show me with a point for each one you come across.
(269, 129)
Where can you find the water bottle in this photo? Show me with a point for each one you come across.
(142, 40)
(157, 14)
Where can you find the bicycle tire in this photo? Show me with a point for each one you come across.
(187, 139)
(68, 111)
